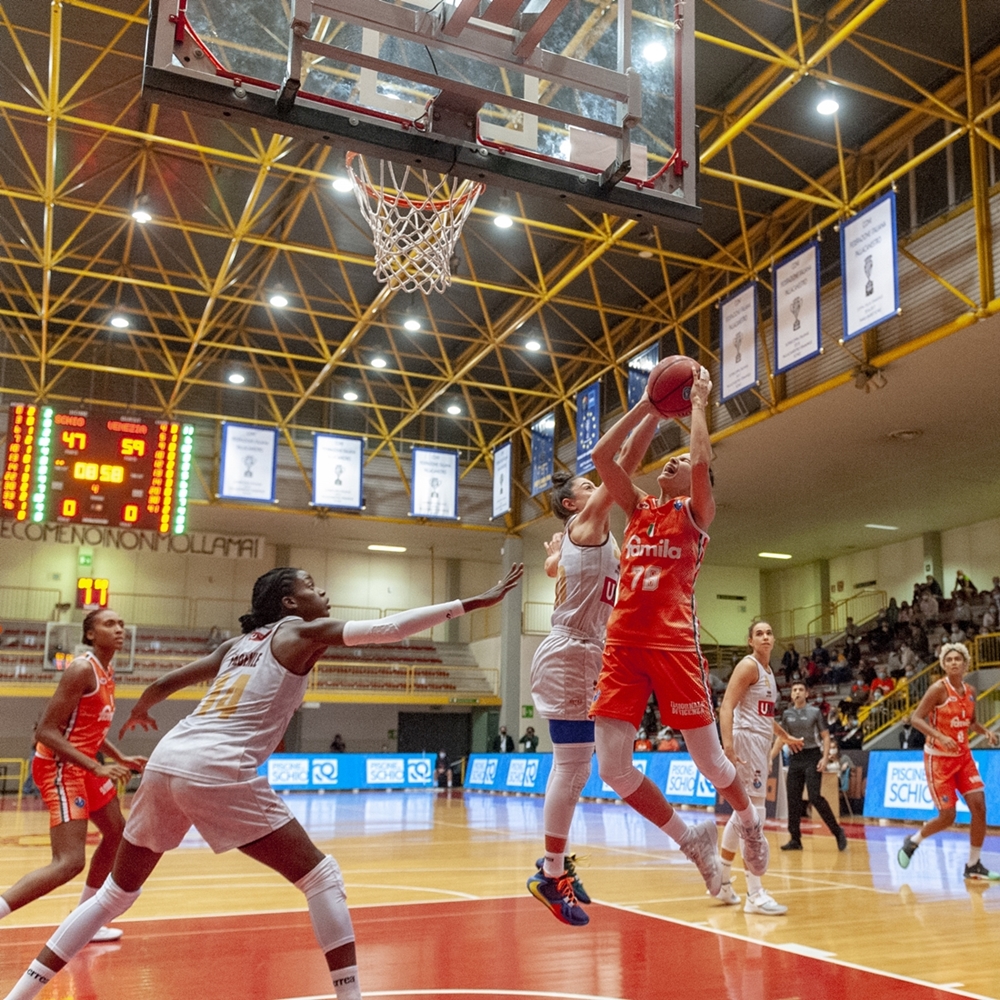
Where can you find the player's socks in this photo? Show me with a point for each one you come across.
(675, 827)
(346, 984)
(31, 983)
(748, 816)
(974, 855)
(727, 870)
(916, 838)
(753, 884)
(554, 864)
(4, 908)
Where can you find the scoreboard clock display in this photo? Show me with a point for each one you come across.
(96, 467)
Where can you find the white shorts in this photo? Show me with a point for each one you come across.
(564, 674)
(753, 749)
(227, 816)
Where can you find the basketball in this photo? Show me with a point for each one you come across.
(669, 385)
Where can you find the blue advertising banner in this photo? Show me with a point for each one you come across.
(332, 771)
(588, 426)
(897, 786)
(543, 454)
(639, 368)
(674, 773)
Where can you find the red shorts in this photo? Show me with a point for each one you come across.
(947, 776)
(69, 791)
(679, 678)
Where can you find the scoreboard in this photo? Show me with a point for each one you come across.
(96, 467)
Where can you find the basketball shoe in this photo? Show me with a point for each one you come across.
(105, 934)
(981, 873)
(557, 894)
(701, 845)
(763, 903)
(755, 850)
(570, 864)
(728, 895)
(906, 852)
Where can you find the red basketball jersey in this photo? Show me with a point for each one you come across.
(953, 718)
(661, 556)
(88, 726)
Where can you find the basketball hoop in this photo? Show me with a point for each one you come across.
(415, 221)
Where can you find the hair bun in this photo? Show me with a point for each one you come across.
(562, 478)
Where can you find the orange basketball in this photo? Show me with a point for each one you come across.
(669, 385)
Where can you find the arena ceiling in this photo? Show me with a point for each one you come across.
(239, 214)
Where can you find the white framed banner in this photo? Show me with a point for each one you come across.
(588, 426)
(338, 464)
(543, 453)
(434, 484)
(738, 341)
(501, 479)
(639, 368)
(869, 267)
(796, 308)
(248, 467)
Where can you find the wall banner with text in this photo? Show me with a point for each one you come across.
(543, 454)
(639, 368)
(434, 484)
(738, 341)
(502, 460)
(588, 426)
(249, 464)
(796, 308)
(869, 267)
(338, 464)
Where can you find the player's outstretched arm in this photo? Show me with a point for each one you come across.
(614, 476)
(553, 550)
(702, 497)
(199, 672)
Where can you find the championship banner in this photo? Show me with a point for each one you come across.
(639, 368)
(337, 471)
(796, 308)
(588, 426)
(249, 464)
(501, 480)
(869, 267)
(738, 339)
(543, 454)
(434, 484)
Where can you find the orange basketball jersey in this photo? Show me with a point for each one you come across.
(953, 718)
(661, 556)
(88, 726)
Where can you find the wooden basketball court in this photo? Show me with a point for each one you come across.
(436, 883)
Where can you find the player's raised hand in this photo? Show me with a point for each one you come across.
(702, 387)
(554, 545)
(496, 593)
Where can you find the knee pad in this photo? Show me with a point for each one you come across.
(115, 900)
(731, 834)
(109, 902)
(708, 756)
(323, 888)
(614, 739)
(571, 766)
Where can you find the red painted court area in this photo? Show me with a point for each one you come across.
(498, 948)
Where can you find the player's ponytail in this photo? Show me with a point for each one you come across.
(268, 591)
(562, 489)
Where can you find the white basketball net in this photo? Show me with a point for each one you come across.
(415, 221)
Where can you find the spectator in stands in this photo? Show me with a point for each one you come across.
(957, 633)
(790, 662)
(933, 587)
(963, 585)
(853, 654)
(668, 741)
(442, 770)
(852, 630)
(338, 745)
(502, 743)
(910, 738)
(840, 670)
(995, 592)
(820, 655)
(991, 617)
(905, 614)
(529, 741)
(929, 607)
(962, 613)
(907, 658)
(892, 613)
(894, 665)
(882, 685)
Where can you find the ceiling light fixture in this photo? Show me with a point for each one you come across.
(342, 184)
(351, 396)
(454, 409)
(119, 322)
(654, 52)
(533, 345)
(646, 254)
(503, 218)
(883, 527)
(827, 106)
(278, 301)
(412, 325)
(379, 362)
(141, 215)
(236, 378)
(386, 548)
(773, 555)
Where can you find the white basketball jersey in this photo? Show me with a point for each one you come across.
(586, 585)
(241, 719)
(754, 712)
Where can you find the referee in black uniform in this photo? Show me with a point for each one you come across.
(805, 769)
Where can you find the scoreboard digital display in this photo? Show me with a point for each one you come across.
(96, 467)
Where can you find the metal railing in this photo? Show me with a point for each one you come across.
(14, 769)
(29, 603)
(861, 607)
(900, 701)
(987, 711)
(985, 651)
(405, 678)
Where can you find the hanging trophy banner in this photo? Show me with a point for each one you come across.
(738, 337)
(869, 267)
(337, 471)
(434, 484)
(501, 479)
(543, 454)
(588, 426)
(639, 368)
(249, 465)
(796, 308)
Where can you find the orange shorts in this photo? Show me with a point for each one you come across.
(949, 776)
(678, 677)
(69, 791)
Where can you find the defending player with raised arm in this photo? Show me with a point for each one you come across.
(653, 641)
(203, 773)
(584, 560)
(73, 783)
(945, 715)
(748, 726)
